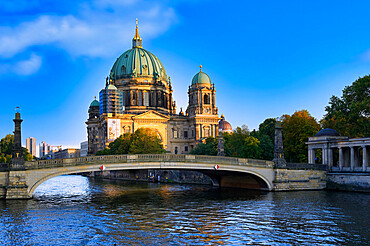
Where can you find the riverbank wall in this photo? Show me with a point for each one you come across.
(349, 181)
(289, 180)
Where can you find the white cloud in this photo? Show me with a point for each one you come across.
(22, 67)
(93, 32)
(29, 66)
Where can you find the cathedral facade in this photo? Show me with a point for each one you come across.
(138, 94)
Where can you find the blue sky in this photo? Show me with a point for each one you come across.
(266, 58)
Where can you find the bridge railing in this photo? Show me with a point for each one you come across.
(303, 166)
(146, 158)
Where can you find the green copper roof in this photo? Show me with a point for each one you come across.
(94, 103)
(201, 78)
(137, 62)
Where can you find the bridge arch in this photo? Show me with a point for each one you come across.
(43, 179)
(232, 172)
(240, 179)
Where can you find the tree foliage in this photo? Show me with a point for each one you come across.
(6, 150)
(350, 114)
(242, 144)
(296, 130)
(238, 144)
(143, 141)
(210, 147)
(267, 147)
(267, 127)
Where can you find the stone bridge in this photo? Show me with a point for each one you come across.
(20, 183)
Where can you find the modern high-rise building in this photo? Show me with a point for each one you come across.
(31, 145)
(84, 148)
(44, 149)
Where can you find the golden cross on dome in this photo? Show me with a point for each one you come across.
(200, 66)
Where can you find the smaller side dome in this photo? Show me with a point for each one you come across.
(111, 87)
(201, 78)
(94, 103)
(224, 126)
(327, 132)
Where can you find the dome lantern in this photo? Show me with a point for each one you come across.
(137, 42)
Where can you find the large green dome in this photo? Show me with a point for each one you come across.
(137, 62)
(201, 78)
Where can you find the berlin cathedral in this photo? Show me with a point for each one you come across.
(138, 94)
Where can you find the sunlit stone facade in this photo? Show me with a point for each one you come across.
(138, 94)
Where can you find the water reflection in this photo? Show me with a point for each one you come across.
(78, 211)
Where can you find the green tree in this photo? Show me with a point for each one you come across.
(210, 147)
(267, 147)
(6, 150)
(265, 143)
(267, 127)
(350, 114)
(143, 141)
(121, 145)
(296, 130)
(241, 144)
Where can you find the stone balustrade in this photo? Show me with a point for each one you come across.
(146, 158)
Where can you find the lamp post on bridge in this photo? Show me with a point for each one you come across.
(17, 162)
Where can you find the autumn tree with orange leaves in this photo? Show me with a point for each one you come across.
(296, 130)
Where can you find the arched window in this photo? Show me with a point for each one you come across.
(207, 131)
(206, 99)
(123, 69)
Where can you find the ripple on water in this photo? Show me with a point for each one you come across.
(76, 210)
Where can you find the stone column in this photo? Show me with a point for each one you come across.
(330, 158)
(132, 98)
(311, 156)
(352, 158)
(155, 98)
(324, 156)
(340, 158)
(364, 159)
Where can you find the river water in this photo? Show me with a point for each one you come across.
(75, 210)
